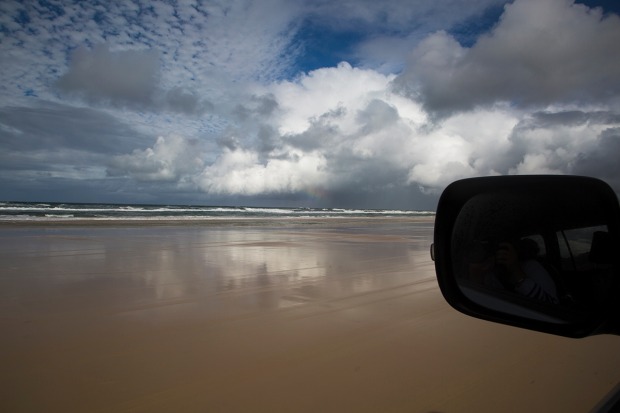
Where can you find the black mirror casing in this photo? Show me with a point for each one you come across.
(522, 205)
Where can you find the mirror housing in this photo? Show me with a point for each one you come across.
(537, 252)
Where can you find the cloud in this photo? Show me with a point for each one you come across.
(464, 145)
(124, 77)
(348, 116)
(239, 172)
(350, 128)
(505, 141)
(571, 142)
(540, 53)
(329, 130)
(172, 158)
(338, 91)
(344, 132)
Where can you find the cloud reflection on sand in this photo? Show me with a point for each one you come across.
(273, 269)
(172, 272)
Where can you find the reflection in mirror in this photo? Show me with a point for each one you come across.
(535, 255)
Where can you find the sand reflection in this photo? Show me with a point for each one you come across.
(267, 269)
(205, 269)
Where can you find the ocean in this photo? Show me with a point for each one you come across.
(37, 211)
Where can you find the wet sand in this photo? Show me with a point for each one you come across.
(281, 316)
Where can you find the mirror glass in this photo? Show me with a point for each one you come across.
(542, 255)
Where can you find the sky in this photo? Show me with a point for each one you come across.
(318, 103)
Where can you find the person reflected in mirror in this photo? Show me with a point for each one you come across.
(519, 271)
(513, 266)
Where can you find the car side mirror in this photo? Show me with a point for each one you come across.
(538, 252)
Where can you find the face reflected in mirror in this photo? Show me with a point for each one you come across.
(514, 266)
(533, 255)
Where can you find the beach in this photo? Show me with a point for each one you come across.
(279, 315)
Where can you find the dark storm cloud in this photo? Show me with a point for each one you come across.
(52, 148)
(353, 173)
(54, 127)
(540, 53)
(384, 197)
(602, 160)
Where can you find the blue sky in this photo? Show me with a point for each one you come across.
(355, 103)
